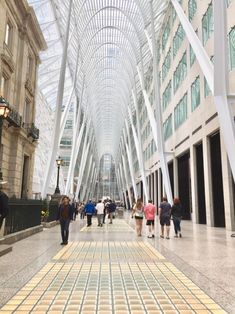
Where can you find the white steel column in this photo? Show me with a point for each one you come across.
(156, 96)
(85, 151)
(200, 53)
(130, 159)
(84, 191)
(140, 144)
(126, 176)
(59, 101)
(123, 184)
(74, 154)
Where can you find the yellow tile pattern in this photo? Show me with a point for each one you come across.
(108, 251)
(119, 225)
(136, 279)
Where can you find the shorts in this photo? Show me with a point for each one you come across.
(165, 220)
(139, 218)
(150, 223)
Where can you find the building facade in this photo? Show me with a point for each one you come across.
(199, 170)
(21, 40)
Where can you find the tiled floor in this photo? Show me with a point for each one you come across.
(110, 276)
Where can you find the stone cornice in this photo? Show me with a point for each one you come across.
(8, 61)
(29, 87)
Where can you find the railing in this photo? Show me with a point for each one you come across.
(23, 214)
(14, 118)
(32, 131)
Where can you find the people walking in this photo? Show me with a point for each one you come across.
(138, 213)
(82, 210)
(165, 217)
(89, 210)
(100, 212)
(150, 212)
(111, 211)
(176, 213)
(65, 215)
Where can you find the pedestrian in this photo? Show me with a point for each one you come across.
(176, 213)
(150, 212)
(81, 210)
(100, 212)
(65, 215)
(106, 210)
(111, 211)
(138, 213)
(89, 210)
(165, 217)
(4, 208)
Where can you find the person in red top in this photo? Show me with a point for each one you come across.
(150, 212)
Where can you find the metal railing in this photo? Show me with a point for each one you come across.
(23, 214)
(32, 131)
(14, 118)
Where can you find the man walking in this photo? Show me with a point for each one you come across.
(89, 210)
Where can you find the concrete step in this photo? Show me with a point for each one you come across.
(4, 249)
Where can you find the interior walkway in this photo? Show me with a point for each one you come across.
(110, 270)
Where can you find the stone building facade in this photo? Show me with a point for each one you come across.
(21, 40)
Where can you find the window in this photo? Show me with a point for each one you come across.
(167, 127)
(66, 143)
(192, 9)
(8, 34)
(232, 48)
(192, 54)
(30, 66)
(27, 112)
(166, 97)
(166, 33)
(66, 160)
(69, 125)
(195, 93)
(207, 90)
(207, 24)
(181, 112)
(178, 39)
(166, 65)
(4, 87)
(180, 72)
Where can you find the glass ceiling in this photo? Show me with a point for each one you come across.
(108, 38)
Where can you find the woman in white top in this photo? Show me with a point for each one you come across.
(138, 213)
(100, 212)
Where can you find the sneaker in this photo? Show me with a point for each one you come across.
(168, 238)
(153, 236)
(180, 235)
(62, 243)
(161, 236)
(150, 237)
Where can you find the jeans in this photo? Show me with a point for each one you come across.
(64, 224)
(100, 219)
(177, 221)
(89, 217)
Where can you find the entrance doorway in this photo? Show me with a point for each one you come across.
(184, 185)
(217, 181)
(25, 177)
(200, 185)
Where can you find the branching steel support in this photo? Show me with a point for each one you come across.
(59, 101)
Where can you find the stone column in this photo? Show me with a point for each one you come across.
(193, 170)
(208, 182)
(228, 189)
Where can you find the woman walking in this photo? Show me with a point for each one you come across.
(138, 213)
(176, 213)
(165, 217)
(65, 215)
